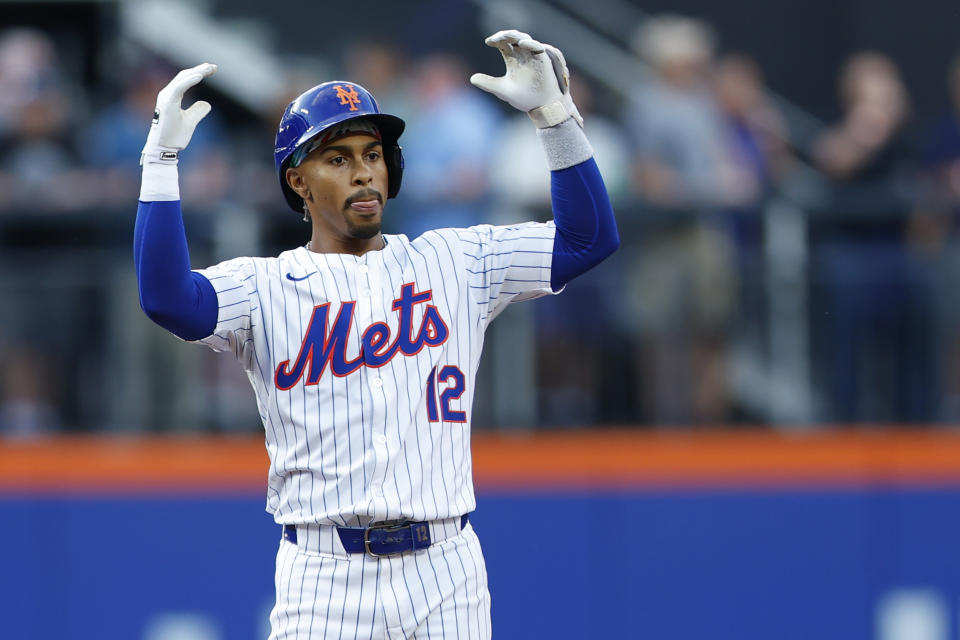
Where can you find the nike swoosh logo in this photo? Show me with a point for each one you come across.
(290, 277)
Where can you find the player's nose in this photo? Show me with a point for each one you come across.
(362, 177)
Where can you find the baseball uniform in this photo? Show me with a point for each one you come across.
(363, 364)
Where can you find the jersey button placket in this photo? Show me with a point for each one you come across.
(380, 447)
(369, 307)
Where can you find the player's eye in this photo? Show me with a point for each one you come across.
(373, 156)
(337, 160)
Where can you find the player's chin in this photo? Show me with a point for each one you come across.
(365, 229)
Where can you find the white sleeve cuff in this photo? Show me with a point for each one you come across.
(160, 182)
(565, 145)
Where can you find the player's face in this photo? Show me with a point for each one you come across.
(346, 186)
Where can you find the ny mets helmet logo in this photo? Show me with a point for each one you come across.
(348, 96)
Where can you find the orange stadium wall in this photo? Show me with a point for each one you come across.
(843, 534)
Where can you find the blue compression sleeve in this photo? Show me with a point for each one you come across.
(176, 298)
(586, 228)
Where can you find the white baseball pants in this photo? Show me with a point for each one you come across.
(324, 592)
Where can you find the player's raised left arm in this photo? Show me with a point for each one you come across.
(537, 82)
(178, 299)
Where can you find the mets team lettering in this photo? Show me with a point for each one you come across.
(321, 346)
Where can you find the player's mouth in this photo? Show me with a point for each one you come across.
(366, 206)
(367, 201)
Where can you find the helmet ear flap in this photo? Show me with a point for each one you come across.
(394, 158)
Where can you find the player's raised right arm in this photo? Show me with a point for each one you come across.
(173, 296)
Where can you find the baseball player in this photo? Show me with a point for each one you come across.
(362, 348)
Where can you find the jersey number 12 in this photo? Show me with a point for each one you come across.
(455, 383)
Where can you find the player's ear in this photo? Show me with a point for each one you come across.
(297, 183)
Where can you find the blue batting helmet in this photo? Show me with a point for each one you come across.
(320, 108)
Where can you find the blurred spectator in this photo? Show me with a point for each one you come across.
(940, 158)
(873, 300)
(869, 140)
(28, 71)
(39, 168)
(755, 134)
(681, 158)
(27, 406)
(683, 287)
(112, 141)
(933, 232)
(448, 149)
(758, 159)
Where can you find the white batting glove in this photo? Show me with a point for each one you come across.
(173, 126)
(536, 81)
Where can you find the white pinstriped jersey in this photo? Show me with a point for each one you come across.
(364, 367)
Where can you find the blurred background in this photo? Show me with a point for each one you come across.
(786, 180)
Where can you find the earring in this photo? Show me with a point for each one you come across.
(306, 213)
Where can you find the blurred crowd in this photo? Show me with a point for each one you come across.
(663, 334)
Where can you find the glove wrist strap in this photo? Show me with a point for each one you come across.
(549, 115)
(159, 155)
